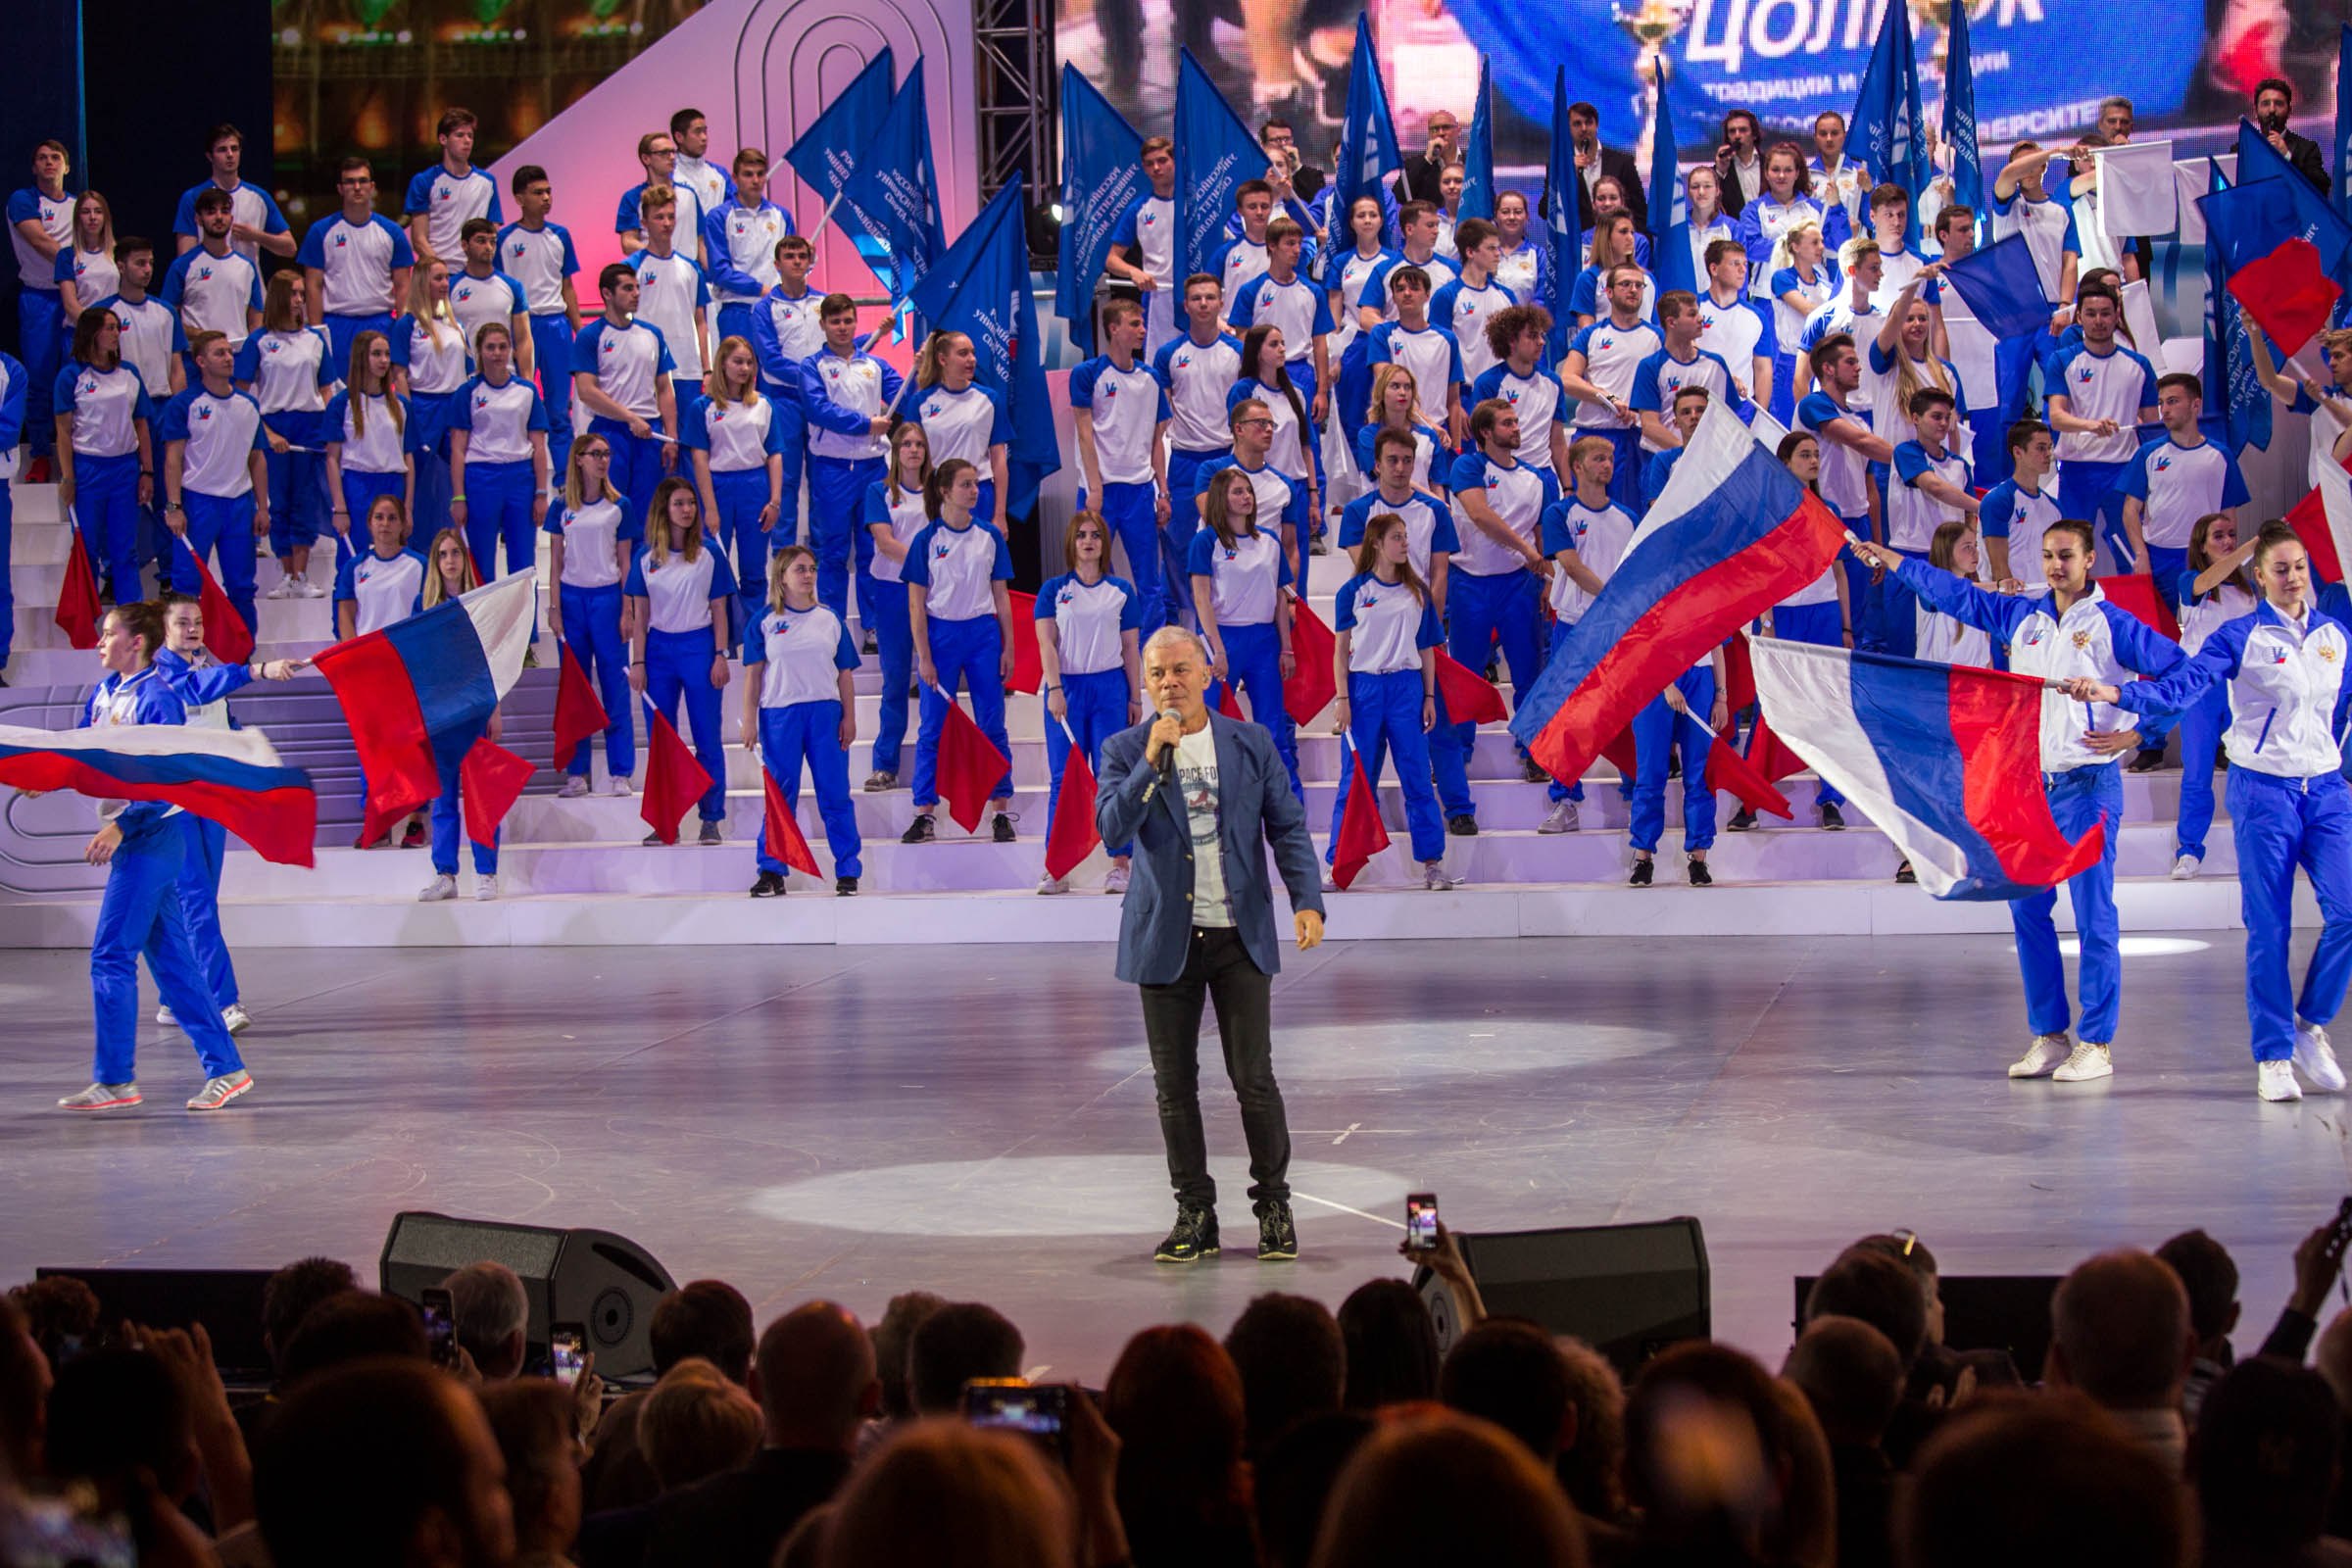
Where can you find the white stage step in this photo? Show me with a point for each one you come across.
(812, 915)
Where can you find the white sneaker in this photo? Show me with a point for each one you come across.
(485, 889)
(2045, 1056)
(235, 1019)
(283, 588)
(1563, 818)
(2185, 869)
(1331, 884)
(439, 889)
(1052, 884)
(574, 786)
(166, 1017)
(308, 588)
(620, 786)
(2276, 1080)
(1117, 881)
(2088, 1061)
(1434, 879)
(2315, 1058)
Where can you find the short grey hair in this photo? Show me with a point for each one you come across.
(488, 1306)
(1173, 633)
(2119, 101)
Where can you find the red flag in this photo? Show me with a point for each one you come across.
(225, 633)
(387, 807)
(785, 840)
(1028, 670)
(971, 767)
(1728, 771)
(2136, 593)
(2287, 292)
(1470, 698)
(490, 781)
(1362, 834)
(1619, 754)
(1770, 756)
(1738, 675)
(674, 780)
(77, 600)
(2309, 519)
(578, 714)
(1072, 837)
(1228, 702)
(1312, 683)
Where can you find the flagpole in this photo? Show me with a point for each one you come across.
(824, 217)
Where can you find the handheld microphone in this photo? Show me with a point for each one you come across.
(1167, 764)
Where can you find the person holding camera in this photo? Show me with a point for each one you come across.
(1200, 796)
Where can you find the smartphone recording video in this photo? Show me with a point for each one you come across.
(567, 1346)
(1421, 1221)
(1039, 1410)
(440, 1325)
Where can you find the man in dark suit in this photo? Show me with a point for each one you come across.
(1595, 163)
(814, 1377)
(1419, 178)
(1739, 162)
(1201, 796)
(2273, 99)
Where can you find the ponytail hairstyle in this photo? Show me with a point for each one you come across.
(776, 564)
(2274, 534)
(1218, 507)
(1788, 448)
(1367, 553)
(929, 365)
(145, 621)
(1252, 346)
(922, 480)
(941, 481)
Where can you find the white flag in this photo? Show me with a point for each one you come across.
(2137, 194)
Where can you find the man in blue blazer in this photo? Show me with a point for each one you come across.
(1198, 793)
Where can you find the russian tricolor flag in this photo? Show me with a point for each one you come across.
(230, 776)
(438, 674)
(1733, 534)
(1946, 759)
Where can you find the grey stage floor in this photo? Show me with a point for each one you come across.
(979, 1121)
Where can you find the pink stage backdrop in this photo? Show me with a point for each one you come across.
(761, 71)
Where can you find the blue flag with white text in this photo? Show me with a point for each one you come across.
(1368, 150)
(1669, 209)
(890, 202)
(2229, 346)
(1960, 120)
(1477, 156)
(981, 288)
(1101, 176)
(1890, 135)
(1563, 210)
(1214, 154)
(827, 152)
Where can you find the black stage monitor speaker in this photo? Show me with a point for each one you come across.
(1629, 1290)
(227, 1302)
(1986, 1312)
(570, 1276)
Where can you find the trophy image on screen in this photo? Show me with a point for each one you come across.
(1651, 25)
